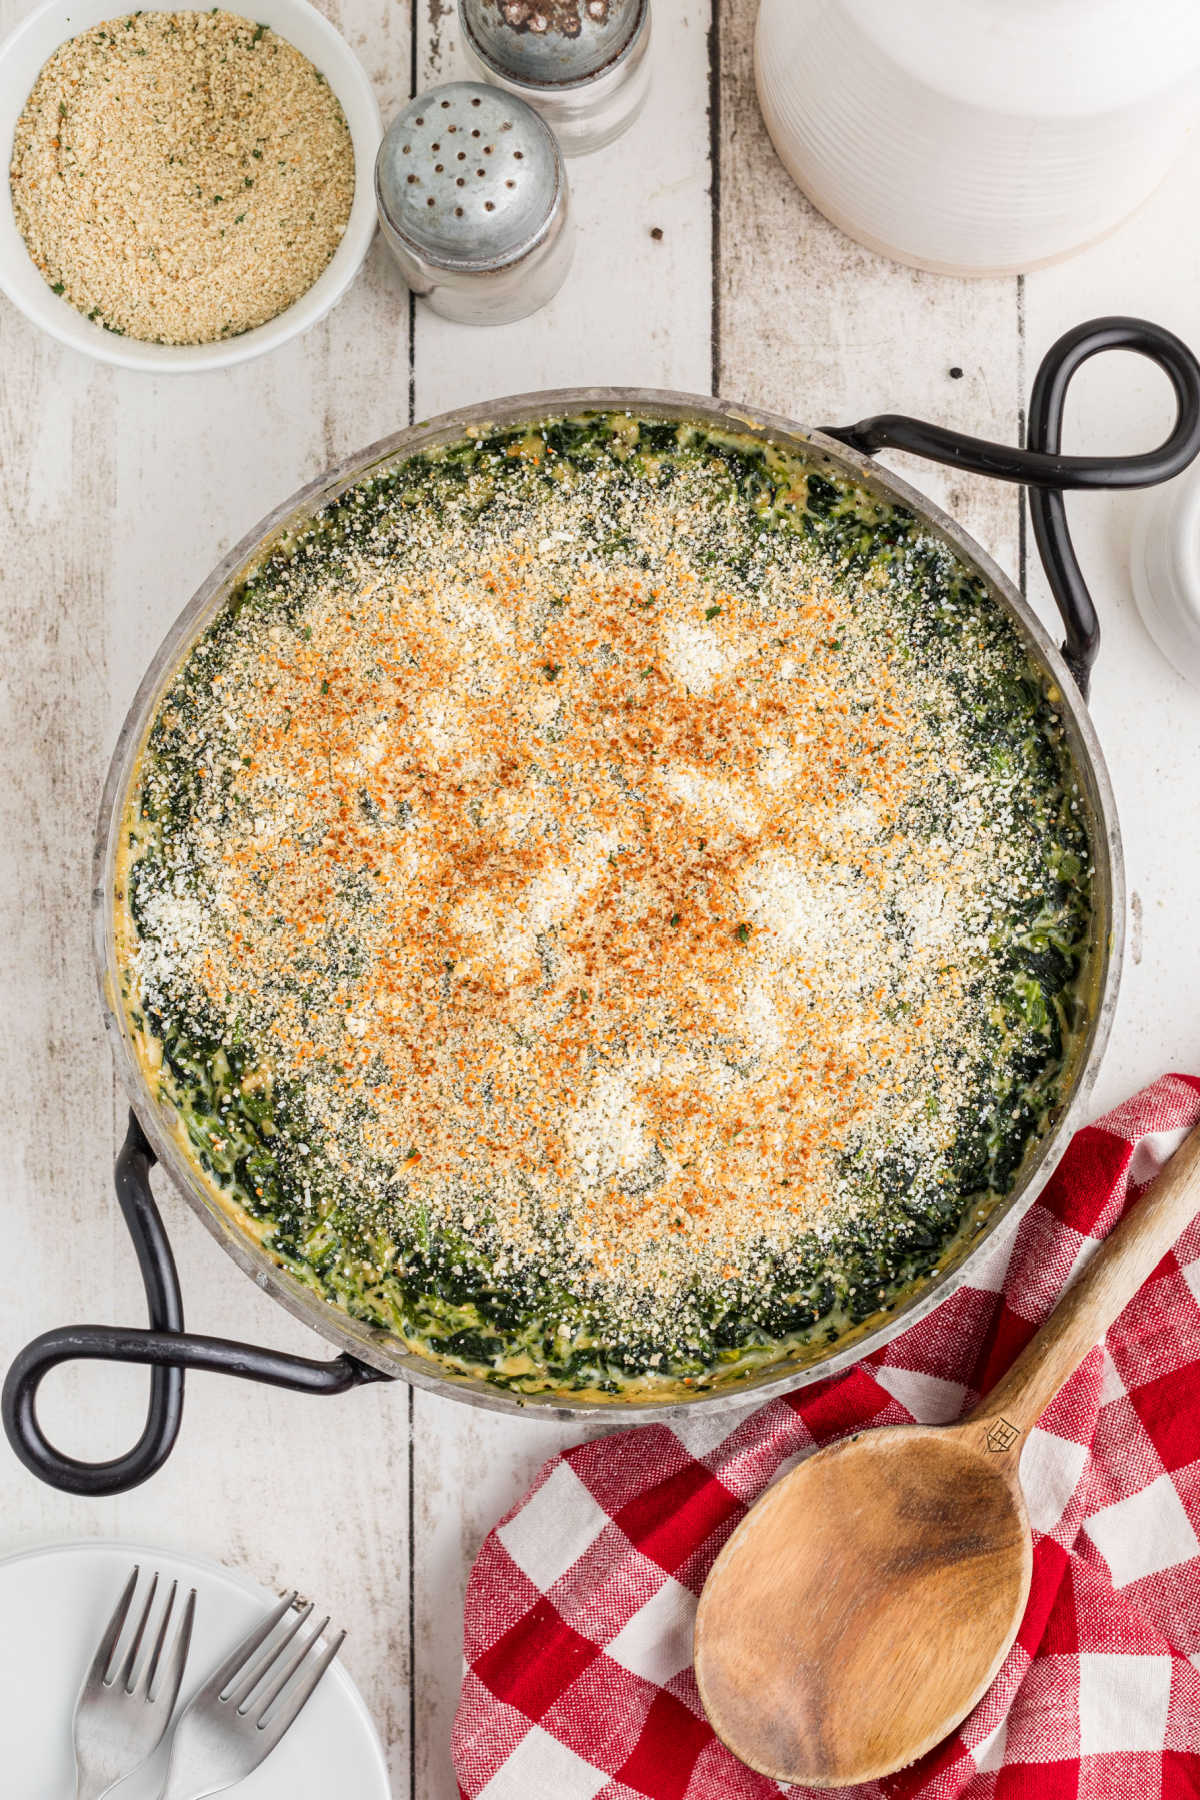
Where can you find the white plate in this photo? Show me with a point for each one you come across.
(54, 1604)
(21, 57)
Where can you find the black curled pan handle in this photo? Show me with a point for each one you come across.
(1046, 470)
(165, 1347)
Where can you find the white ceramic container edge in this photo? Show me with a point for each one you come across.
(926, 165)
(21, 57)
(1164, 561)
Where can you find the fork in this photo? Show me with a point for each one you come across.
(122, 1712)
(236, 1719)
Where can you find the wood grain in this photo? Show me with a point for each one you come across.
(817, 328)
(636, 311)
(121, 491)
(863, 1606)
(1092, 1303)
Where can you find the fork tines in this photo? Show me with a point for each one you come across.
(244, 1708)
(255, 1675)
(154, 1677)
(126, 1700)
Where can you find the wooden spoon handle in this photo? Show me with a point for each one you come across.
(1091, 1304)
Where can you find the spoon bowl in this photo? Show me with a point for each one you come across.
(876, 1588)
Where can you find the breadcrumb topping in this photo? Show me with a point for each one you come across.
(622, 887)
(181, 176)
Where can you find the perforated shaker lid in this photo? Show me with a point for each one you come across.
(551, 42)
(469, 176)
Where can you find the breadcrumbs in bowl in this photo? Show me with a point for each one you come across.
(186, 188)
(181, 176)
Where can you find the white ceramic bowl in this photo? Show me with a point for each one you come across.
(21, 57)
(1164, 566)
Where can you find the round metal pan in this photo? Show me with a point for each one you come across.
(371, 1353)
(378, 1347)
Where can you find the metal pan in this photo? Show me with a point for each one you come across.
(369, 1353)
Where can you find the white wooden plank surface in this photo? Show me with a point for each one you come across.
(120, 492)
(821, 330)
(1147, 716)
(635, 311)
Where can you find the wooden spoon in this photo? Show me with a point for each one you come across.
(866, 1602)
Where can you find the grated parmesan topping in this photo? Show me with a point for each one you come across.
(614, 883)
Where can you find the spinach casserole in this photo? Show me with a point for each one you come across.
(608, 902)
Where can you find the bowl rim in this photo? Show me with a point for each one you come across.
(22, 55)
(383, 1350)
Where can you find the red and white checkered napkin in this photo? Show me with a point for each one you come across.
(579, 1611)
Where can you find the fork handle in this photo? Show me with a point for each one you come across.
(185, 1789)
(165, 1347)
(88, 1787)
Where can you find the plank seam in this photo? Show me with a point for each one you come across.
(1022, 426)
(714, 188)
(412, 309)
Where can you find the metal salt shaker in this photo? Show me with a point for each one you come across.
(582, 63)
(473, 201)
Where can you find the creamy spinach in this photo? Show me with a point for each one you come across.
(610, 903)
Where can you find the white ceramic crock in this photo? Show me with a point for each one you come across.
(978, 137)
